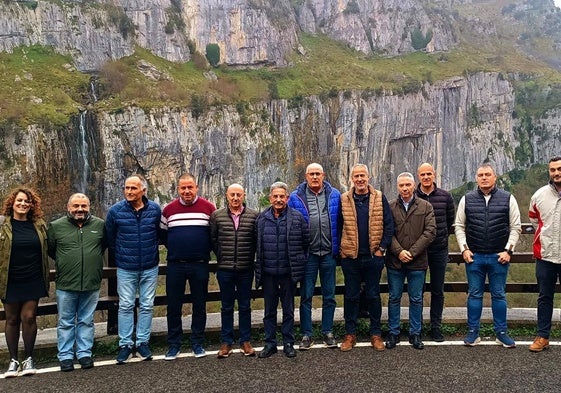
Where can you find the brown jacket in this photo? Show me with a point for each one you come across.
(414, 231)
(349, 236)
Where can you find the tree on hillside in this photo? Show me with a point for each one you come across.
(419, 40)
(213, 54)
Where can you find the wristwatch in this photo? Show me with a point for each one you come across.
(382, 250)
(509, 252)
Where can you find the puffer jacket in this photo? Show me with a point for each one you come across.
(444, 214)
(133, 236)
(545, 216)
(78, 253)
(6, 250)
(297, 238)
(299, 201)
(415, 229)
(234, 248)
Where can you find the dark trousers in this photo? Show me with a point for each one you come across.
(367, 270)
(275, 288)
(438, 261)
(178, 274)
(235, 285)
(547, 274)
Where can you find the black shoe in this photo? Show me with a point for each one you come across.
(392, 341)
(86, 362)
(66, 365)
(436, 335)
(289, 350)
(268, 351)
(415, 340)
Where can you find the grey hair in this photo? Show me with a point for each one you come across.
(314, 165)
(80, 195)
(278, 184)
(142, 179)
(360, 166)
(408, 175)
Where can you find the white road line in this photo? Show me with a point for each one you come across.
(405, 343)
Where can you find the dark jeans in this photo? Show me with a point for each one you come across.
(177, 275)
(438, 261)
(275, 288)
(547, 274)
(235, 285)
(367, 270)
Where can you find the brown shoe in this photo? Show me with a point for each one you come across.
(539, 344)
(247, 349)
(377, 343)
(349, 341)
(225, 350)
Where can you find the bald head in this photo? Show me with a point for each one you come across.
(426, 177)
(235, 196)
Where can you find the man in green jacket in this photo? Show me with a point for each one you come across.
(77, 243)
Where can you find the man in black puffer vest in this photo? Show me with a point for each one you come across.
(487, 229)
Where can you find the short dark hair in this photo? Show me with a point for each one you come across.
(556, 158)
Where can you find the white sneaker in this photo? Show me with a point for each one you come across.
(13, 369)
(27, 367)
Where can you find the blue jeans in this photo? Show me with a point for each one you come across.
(178, 275)
(275, 288)
(129, 283)
(75, 323)
(326, 266)
(367, 270)
(438, 260)
(235, 285)
(484, 265)
(415, 284)
(547, 274)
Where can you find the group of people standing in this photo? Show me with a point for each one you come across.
(301, 235)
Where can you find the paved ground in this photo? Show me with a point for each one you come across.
(448, 367)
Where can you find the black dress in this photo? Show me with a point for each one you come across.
(25, 275)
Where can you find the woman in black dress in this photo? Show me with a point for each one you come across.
(24, 273)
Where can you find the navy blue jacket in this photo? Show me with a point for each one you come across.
(298, 201)
(133, 236)
(296, 241)
(487, 224)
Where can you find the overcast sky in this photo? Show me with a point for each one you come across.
(558, 3)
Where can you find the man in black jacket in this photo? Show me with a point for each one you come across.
(232, 231)
(443, 206)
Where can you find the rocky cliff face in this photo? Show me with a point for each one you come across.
(382, 26)
(456, 124)
(92, 32)
(248, 32)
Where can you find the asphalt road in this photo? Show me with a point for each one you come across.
(437, 368)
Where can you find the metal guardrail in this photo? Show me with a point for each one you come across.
(110, 302)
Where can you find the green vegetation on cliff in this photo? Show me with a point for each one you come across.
(40, 86)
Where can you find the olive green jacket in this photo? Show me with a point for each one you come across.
(6, 251)
(78, 253)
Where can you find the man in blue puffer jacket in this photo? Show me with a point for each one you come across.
(320, 204)
(132, 229)
(282, 252)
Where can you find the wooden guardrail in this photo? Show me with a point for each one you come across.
(110, 302)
